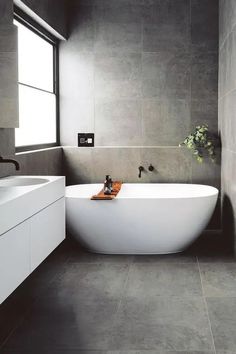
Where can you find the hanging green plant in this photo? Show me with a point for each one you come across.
(200, 142)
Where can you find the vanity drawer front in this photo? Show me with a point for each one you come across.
(14, 258)
(47, 231)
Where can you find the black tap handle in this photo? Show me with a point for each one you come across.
(141, 169)
(150, 168)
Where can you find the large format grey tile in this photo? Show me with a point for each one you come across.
(204, 75)
(172, 165)
(165, 121)
(8, 38)
(77, 75)
(166, 26)
(118, 12)
(148, 280)
(6, 11)
(203, 14)
(219, 279)
(166, 75)
(222, 312)
(90, 282)
(115, 38)
(65, 323)
(118, 122)
(80, 118)
(180, 258)
(118, 76)
(162, 324)
(81, 28)
(227, 14)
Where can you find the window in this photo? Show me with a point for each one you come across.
(37, 88)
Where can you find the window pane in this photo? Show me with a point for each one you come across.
(37, 114)
(35, 59)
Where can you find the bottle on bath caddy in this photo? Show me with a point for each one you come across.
(108, 185)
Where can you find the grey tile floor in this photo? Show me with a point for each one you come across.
(77, 302)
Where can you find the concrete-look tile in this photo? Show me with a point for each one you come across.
(162, 324)
(205, 111)
(90, 282)
(121, 163)
(166, 75)
(222, 312)
(77, 165)
(203, 13)
(118, 76)
(172, 165)
(118, 12)
(80, 118)
(179, 258)
(8, 90)
(149, 280)
(204, 75)
(77, 75)
(118, 37)
(118, 122)
(227, 12)
(166, 26)
(81, 29)
(159, 352)
(6, 12)
(207, 172)
(222, 71)
(219, 279)
(8, 38)
(41, 162)
(165, 122)
(7, 144)
(230, 57)
(65, 323)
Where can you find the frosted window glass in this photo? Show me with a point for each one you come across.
(37, 115)
(35, 59)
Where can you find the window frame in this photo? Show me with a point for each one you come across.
(32, 25)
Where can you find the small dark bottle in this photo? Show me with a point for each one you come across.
(107, 185)
(111, 184)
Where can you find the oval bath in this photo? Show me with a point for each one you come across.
(143, 219)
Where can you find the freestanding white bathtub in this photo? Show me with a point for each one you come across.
(142, 219)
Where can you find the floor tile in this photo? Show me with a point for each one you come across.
(90, 281)
(65, 324)
(167, 258)
(162, 324)
(222, 312)
(219, 279)
(165, 279)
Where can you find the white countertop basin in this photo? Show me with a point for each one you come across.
(20, 199)
(20, 181)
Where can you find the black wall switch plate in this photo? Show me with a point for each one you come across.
(85, 139)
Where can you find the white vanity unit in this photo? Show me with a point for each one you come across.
(32, 225)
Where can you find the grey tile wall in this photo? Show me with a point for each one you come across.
(8, 67)
(227, 110)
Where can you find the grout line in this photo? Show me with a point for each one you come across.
(205, 302)
(226, 94)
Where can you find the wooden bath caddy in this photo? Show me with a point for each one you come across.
(101, 196)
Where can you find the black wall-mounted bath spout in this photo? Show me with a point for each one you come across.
(141, 169)
(150, 168)
(16, 163)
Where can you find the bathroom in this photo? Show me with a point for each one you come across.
(137, 76)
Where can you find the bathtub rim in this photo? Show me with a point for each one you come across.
(215, 192)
